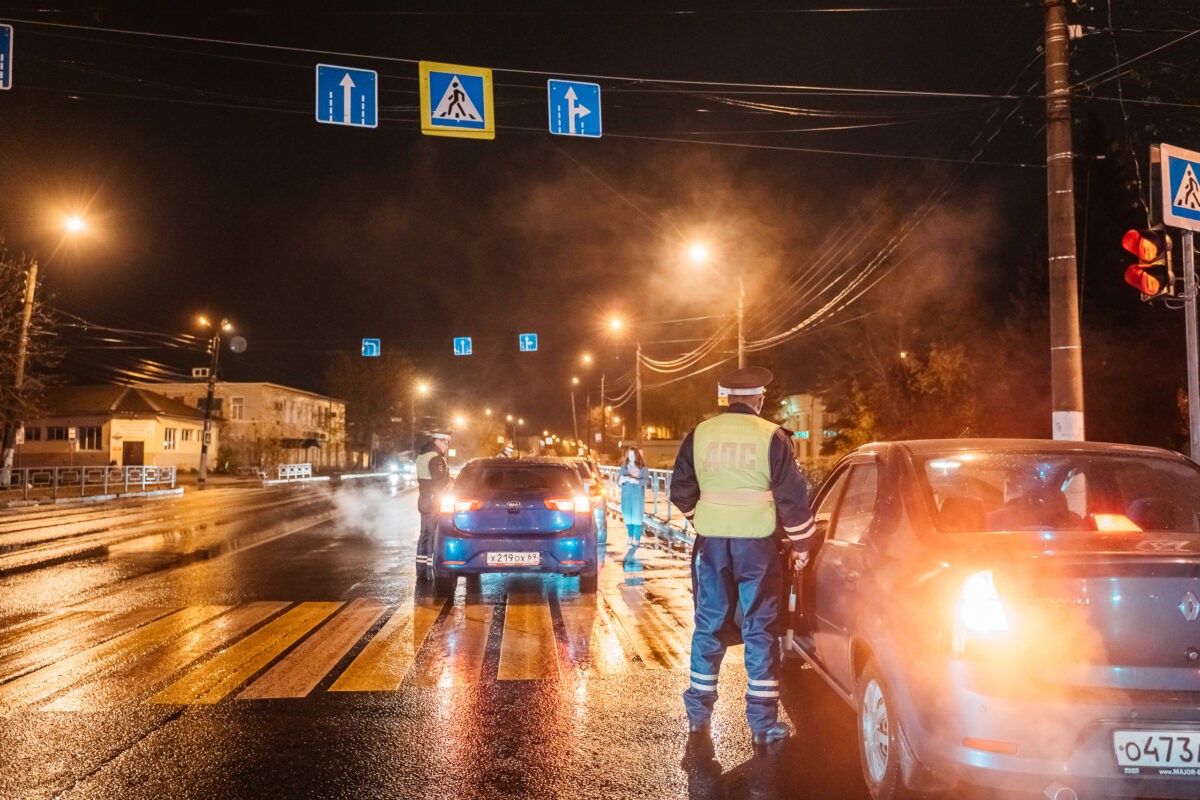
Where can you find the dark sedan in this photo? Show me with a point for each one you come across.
(1022, 615)
(516, 515)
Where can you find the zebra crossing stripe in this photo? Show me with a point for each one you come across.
(527, 649)
(43, 683)
(385, 661)
(658, 640)
(78, 637)
(143, 674)
(457, 646)
(303, 668)
(222, 674)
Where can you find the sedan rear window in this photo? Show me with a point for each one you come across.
(514, 478)
(998, 491)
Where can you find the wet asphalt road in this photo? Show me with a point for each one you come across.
(245, 643)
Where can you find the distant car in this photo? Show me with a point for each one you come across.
(516, 515)
(589, 473)
(1019, 615)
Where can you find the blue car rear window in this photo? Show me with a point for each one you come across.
(516, 479)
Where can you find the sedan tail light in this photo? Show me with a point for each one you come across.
(979, 611)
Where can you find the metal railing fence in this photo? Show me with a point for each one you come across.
(82, 481)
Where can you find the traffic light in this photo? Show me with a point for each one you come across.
(1152, 275)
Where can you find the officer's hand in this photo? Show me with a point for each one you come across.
(799, 560)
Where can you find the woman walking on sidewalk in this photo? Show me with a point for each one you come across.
(633, 477)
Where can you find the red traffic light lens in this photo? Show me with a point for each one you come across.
(1147, 245)
(1131, 241)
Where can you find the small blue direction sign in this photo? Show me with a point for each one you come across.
(574, 108)
(1181, 187)
(462, 345)
(347, 96)
(456, 101)
(371, 348)
(527, 342)
(6, 48)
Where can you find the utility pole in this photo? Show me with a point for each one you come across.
(741, 323)
(215, 344)
(603, 417)
(1066, 357)
(637, 383)
(11, 426)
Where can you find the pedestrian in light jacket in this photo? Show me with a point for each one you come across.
(633, 478)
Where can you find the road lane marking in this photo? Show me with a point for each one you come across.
(591, 641)
(35, 686)
(16, 637)
(219, 676)
(457, 648)
(76, 638)
(385, 661)
(146, 673)
(528, 650)
(303, 668)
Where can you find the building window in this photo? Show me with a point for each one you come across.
(186, 435)
(56, 434)
(91, 437)
(237, 407)
(33, 434)
(169, 438)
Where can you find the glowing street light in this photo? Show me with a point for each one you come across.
(224, 326)
(75, 224)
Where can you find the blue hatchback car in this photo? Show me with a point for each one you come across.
(516, 515)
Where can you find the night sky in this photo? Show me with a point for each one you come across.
(209, 186)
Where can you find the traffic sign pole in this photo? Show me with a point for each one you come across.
(1193, 347)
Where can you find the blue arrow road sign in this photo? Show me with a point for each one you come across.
(347, 96)
(462, 345)
(1181, 187)
(574, 108)
(6, 47)
(370, 348)
(527, 342)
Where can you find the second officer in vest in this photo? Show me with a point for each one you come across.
(736, 480)
(433, 476)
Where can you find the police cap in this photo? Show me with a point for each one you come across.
(440, 435)
(747, 380)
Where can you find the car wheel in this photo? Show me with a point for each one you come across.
(588, 583)
(443, 585)
(879, 737)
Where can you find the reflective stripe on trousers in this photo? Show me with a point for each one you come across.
(425, 539)
(727, 572)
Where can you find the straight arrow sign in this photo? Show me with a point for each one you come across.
(347, 84)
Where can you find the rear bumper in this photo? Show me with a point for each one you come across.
(1046, 735)
(571, 552)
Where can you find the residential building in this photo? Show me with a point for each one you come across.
(265, 424)
(119, 425)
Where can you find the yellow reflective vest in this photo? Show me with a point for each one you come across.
(733, 467)
(423, 473)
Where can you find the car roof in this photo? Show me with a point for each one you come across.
(524, 461)
(925, 446)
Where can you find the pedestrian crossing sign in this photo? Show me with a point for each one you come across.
(1181, 187)
(456, 101)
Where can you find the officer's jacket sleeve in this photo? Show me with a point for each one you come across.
(685, 487)
(439, 473)
(791, 494)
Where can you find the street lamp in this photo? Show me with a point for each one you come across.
(699, 255)
(215, 345)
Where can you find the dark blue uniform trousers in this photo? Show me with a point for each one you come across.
(748, 573)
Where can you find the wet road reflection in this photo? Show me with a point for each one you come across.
(299, 646)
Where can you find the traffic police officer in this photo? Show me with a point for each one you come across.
(433, 476)
(736, 479)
